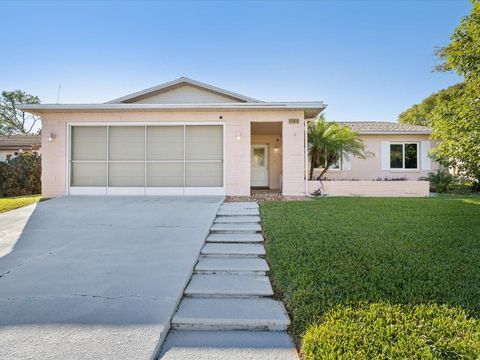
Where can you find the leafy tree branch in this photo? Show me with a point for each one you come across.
(13, 120)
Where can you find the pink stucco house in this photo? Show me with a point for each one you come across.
(185, 137)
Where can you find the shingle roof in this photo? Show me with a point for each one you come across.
(382, 127)
(20, 142)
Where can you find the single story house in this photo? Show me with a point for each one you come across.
(185, 137)
(12, 145)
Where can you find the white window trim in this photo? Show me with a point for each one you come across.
(403, 143)
(108, 190)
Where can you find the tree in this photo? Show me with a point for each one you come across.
(13, 120)
(328, 141)
(421, 114)
(454, 113)
(456, 123)
(462, 55)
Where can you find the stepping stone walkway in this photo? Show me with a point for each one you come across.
(227, 310)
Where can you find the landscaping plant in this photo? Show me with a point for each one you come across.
(328, 142)
(384, 331)
(440, 181)
(21, 175)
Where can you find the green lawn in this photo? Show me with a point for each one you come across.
(355, 252)
(11, 203)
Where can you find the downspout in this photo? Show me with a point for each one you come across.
(305, 125)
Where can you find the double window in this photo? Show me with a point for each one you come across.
(404, 156)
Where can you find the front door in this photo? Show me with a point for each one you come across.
(259, 163)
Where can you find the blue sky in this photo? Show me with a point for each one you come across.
(368, 60)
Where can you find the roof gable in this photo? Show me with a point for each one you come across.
(183, 91)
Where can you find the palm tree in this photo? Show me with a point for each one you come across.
(327, 141)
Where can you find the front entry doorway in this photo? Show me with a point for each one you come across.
(259, 163)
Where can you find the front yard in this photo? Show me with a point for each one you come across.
(11, 203)
(378, 277)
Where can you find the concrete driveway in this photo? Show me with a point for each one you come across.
(96, 277)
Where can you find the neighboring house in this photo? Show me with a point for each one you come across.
(397, 151)
(12, 145)
(180, 138)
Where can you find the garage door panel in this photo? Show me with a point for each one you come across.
(126, 174)
(165, 143)
(165, 174)
(204, 143)
(204, 174)
(89, 174)
(204, 151)
(126, 143)
(89, 143)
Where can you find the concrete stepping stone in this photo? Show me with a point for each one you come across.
(237, 219)
(231, 345)
(240, 205)
(228, 285)
(231, 314)
(225, 228)
(232, 265)
(235, 238)
(237, 212)
(233, 249)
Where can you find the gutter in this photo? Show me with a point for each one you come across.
(179, 107)
(402, 132)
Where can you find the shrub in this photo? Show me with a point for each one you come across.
(21, 175)
(386, 178)
(440, 181)
(383, 331)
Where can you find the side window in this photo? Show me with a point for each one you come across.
(396, 156)
(404, 156)
(411, 156)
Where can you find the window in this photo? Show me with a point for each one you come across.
(334, 166)
(404, 156)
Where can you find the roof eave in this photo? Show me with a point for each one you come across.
(405, 132)
(48, 108)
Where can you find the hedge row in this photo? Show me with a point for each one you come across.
(384, 331)
(21, 175)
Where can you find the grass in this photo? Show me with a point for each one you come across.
(7, 204)
(354, 252)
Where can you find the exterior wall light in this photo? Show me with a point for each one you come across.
(51, 137)
(275, 149)
(238, 136)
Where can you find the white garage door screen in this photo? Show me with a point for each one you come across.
(146, 159)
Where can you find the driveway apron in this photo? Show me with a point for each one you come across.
(98, 277)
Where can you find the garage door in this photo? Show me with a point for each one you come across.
(150, 160)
